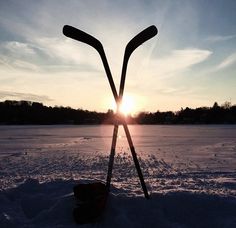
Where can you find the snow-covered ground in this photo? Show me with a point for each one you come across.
(190, 172)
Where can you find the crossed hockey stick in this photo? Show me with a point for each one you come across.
(139, 39)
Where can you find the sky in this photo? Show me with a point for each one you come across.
(191, 62)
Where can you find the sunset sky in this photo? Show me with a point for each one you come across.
(191, 62)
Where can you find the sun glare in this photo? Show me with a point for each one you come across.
(127, 105)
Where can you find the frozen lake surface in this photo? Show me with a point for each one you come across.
(194, 164)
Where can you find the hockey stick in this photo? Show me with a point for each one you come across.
(79, 35)
(138, 40)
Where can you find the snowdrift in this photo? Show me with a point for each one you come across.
(50, 204)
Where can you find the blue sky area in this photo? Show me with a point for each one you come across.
(191, 62)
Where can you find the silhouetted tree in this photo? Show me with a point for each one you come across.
(27, 112)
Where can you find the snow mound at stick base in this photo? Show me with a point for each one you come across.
(50, 204)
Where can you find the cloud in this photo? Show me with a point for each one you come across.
(25, 65)
(46, 33)
(23, 96)
(18, 47)
(230, 60)
(182, 91)
(66, 51)
(179, 61)
(220, 38)
(12, 63)
(16, 54)
(48, 54)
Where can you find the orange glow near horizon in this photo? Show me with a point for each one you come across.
(127, 106)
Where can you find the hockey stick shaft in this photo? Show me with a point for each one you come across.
(86, 38)
(132, 45)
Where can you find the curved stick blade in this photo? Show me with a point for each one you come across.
(81, 36)
(139, 39)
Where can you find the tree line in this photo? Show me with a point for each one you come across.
(27, 112)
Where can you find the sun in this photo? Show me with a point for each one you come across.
(127, 107)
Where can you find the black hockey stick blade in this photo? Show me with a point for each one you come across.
(139, 39)
(81, 36)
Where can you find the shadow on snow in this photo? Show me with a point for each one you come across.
(34, 204)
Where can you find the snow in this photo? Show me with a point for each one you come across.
(189, 170)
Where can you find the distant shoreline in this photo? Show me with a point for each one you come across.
(111, 124)
(34, 113)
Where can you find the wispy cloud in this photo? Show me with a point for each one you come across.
(19, 55)
(12, 63)
(65, 51)
(23, 96)
(220, 38)
(46, 55)
(25, 65)
(179, 61)
(18, 47)
(181, 91)
(229, 61)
